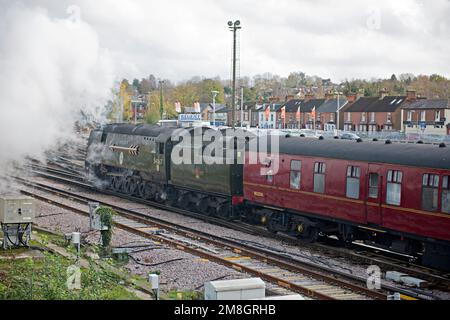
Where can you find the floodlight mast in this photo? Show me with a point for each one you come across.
(234, 26)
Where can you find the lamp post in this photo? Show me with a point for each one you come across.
(161, 107)
(214, 94)
(234, 26)
(338, 109)
(242, 106)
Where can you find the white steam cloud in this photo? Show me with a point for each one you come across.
(50, 68)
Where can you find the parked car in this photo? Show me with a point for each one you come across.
(349, 136)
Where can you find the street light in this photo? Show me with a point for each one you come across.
(234, 26)
(338, 109)
(161, 107)
(214, 94)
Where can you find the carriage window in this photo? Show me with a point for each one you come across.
(446, 194)
(394, 187)
(161, 148)
(296, 168)
(373, 185)
(353, 175)
(430, 192)
(319, 177)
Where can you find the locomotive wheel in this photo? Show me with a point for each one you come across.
(130, 186)
(202, 206)
(116, 184)
(172, 198)
(109, 182)
(148, 192)
(141, 189)
(182, 200)
(123, 185)
(224, 211)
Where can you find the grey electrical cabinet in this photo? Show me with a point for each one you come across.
(16, 209)
(238, 289)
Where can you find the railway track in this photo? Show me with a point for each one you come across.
(281, 270)
(359, 254)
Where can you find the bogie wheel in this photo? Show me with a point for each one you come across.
(309, 234)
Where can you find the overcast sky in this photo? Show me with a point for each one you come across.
(178, 39)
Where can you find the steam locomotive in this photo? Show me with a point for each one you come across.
(394, 195)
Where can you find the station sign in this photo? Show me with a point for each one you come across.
(191, 117)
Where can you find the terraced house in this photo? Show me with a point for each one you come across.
(427, 116)
(268, 118)
(292, 106)
(327, 113)
(306, 112)
(371, 114)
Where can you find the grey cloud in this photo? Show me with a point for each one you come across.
(178, 39)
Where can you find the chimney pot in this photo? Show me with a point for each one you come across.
(352, 97)
(289, 98)
(383, 93)
(329, 95)
(309, 96)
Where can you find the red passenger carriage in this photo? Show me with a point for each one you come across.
(395, 194)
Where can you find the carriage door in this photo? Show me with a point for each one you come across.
(374, 194)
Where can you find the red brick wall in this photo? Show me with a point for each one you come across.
(380, 119)
(430, 115)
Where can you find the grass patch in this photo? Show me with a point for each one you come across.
(46, 278)
(183, 295)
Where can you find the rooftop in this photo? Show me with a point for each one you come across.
(331, 105)
(428, 104)
(375, 104)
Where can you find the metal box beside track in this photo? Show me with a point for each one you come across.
(238, 289)
(16, 209)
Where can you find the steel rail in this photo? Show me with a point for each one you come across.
(224, 243)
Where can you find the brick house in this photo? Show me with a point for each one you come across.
(254, 111)
(306, 108)
(138, 107)
(327, 113)
(371, 114)
(207, 112)
(291, 106)
(274, 120)
(427, 116)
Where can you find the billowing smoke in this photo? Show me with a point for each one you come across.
(50, 68)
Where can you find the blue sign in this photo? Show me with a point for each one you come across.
(218, 123)
(190, 117)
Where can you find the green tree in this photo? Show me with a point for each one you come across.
(205, 88)
(145, 86)
(152, 116)
(136, 84)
